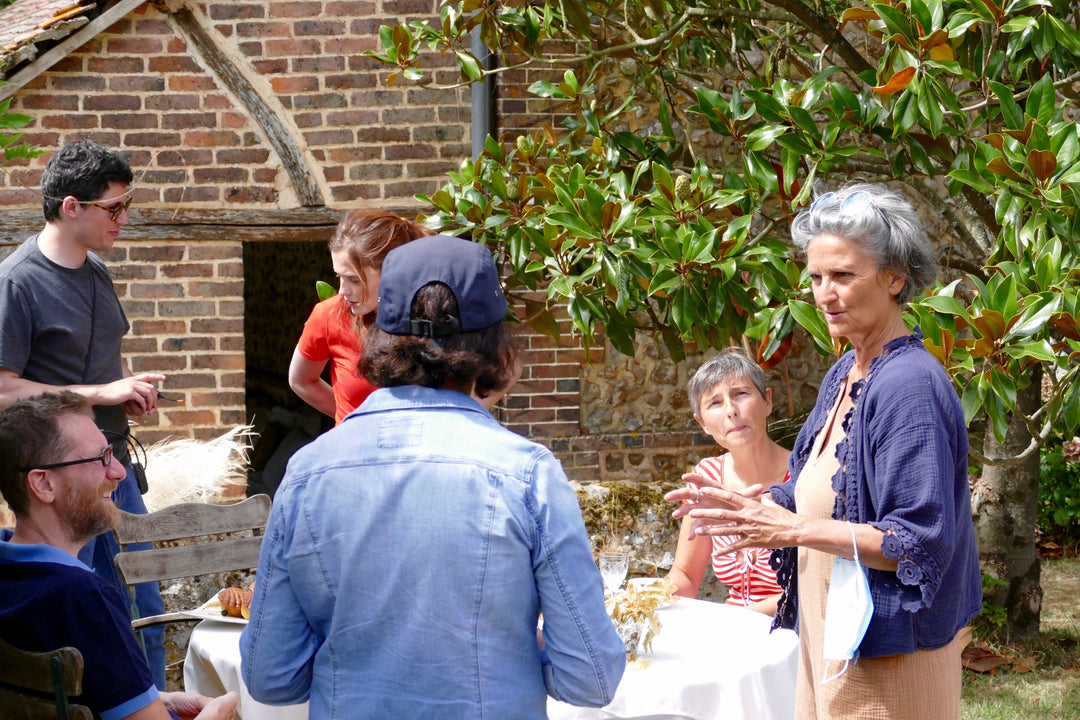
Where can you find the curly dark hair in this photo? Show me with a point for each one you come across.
(484, 357)
(82, 169)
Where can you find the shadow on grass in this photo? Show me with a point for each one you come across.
(1041, 681)
(1050, 694)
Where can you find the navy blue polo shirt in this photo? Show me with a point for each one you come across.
(48, 599)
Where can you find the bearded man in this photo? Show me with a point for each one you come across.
(58, 474)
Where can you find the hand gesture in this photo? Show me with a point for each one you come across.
(694, 494)
(749, 515)
(137, 394)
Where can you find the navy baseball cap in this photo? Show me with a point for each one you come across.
(465, 267)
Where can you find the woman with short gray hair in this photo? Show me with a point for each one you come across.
(877, 556)
(731, 402)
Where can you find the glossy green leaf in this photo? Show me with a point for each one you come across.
(1070, 409)
(1018, 24)
(770, 109)
(1040, 101)
(1039, 350)
(1034, 319)
(811, 319)
(973, 179)
(945, 304)
(971, 401)
(470, 66)
(1014, 116)
(896, 22)
(998, 415)
(764, 136)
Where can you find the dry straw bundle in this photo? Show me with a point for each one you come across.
(180, 470)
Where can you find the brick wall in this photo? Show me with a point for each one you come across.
(139, 87)
(143, 87)
(185, 304)
(519, 111)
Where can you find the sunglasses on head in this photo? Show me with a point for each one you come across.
(115, 211)
(854, 201)
(105, 458)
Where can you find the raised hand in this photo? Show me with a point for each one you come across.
(696, 493)
(750, 516)
(137, 394)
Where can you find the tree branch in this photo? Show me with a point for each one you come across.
(955, 261)
(741, 14)
(869, 167)
(825, 29)
(770, 223)
(1038, 437)
(1023, 93)
(982, 208)
(958, 222)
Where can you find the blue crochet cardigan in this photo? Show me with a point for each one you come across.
(903, 469)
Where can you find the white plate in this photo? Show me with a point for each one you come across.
(211, 610)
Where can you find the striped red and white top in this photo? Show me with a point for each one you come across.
(747, 573)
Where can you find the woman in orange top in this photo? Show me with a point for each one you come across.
(332, 332)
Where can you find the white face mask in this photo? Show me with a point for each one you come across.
(847, 611)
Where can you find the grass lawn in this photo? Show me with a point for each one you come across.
(1050, 689)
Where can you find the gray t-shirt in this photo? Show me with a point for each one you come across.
(63, 326)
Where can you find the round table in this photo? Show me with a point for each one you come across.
(708, 662)
(212, 668)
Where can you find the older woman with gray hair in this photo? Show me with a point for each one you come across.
(877, 557)
(731, 402)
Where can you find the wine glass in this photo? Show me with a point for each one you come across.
(613, 568)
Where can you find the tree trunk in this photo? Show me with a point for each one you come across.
(1004, 508)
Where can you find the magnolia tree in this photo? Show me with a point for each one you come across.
(694, 131)
(9, 142)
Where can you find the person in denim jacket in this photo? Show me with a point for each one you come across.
(412, 549)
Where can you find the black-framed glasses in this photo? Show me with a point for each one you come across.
(115, 211)
(105, 458)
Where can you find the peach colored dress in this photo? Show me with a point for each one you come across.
(915, 686)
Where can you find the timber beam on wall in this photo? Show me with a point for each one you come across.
(292, 158)
(313, 224)
(194, 225)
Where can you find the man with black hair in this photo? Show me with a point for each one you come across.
(61, 326)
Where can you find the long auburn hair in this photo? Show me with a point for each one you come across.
(366, 236)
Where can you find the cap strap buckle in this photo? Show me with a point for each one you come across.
(439, 328)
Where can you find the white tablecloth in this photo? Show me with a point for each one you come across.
(212, 667)
(709, 662)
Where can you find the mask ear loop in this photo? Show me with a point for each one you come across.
(855, 547)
